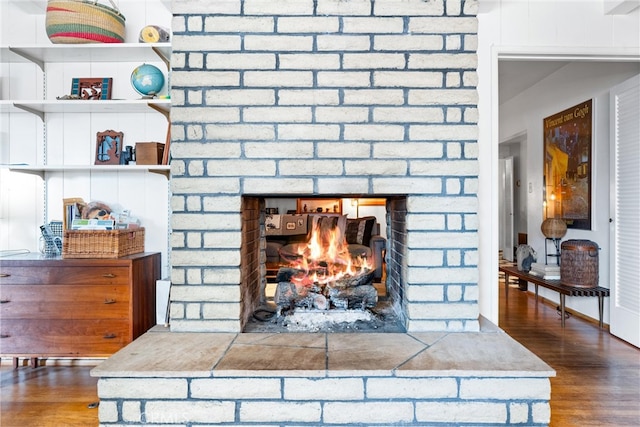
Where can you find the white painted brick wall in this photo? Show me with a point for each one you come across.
(279, 78)
(236, 388)
(238, 24)
(281, 7)
(131, 411)
(240, 61)
(271, 411)
(324, 97)
(407, 42)
(541, 413)
(323, 24)
(505, 388)
(178, 412)
(412, 388)
(462, 412)
(368, 412)
(341, 7)
(108, 411)
(518, 413)
(343, 43)
(342, 115)
(163, 388)
(274, 401)
(205, 293)
(228, 7)
(324, 389)
(373, 97)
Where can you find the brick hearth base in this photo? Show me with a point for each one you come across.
(337, 379)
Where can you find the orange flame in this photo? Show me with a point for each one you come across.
(326, 258)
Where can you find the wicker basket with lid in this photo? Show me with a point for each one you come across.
(579, 263)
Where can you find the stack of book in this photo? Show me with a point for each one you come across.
(93, 224)
(545, 271)
(102, 224)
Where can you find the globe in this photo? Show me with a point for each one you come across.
(147, 80)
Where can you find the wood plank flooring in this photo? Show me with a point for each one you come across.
(597, 379)
(597, 383)
(47, 396)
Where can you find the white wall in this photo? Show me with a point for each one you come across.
(516, 148)
(569, 86)
(530, 29)
(27, 201)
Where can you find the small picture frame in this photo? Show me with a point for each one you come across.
(109, 147)
(98, 88)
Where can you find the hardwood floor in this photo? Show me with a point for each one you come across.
(47, 396)
(597, 382)
(597, 379)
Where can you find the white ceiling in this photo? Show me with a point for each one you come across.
(516, 76)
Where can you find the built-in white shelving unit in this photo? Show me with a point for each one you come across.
(48, 141)
(89, 53)
(109, 52)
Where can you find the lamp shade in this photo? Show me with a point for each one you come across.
(553, 228)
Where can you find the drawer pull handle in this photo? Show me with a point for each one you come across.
(109, 275)
(109, 336)
(5, 335)
(109, 301)
(4, 301)
(4, 275)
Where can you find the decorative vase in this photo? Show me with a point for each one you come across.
(554, 228)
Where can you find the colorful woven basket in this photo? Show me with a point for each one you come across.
(76, 21)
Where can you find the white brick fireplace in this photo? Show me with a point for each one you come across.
(331, 98)
(325, 98)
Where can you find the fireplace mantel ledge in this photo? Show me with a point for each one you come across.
(162, 353)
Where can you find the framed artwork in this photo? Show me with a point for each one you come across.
(91, 88)
(319, 205)
(567, 165)
(109, 147)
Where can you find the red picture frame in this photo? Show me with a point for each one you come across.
(98, 88)
(109, 147)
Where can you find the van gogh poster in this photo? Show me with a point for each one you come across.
(567, 165)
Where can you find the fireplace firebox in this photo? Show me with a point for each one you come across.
(322, 279)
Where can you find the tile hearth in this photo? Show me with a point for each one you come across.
(324, 378)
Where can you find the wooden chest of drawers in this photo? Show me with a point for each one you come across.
(75, 307)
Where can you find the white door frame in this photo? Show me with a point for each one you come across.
(506, 218)
(624, 271)
(488, 257)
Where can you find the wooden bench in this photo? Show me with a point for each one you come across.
(555, 285)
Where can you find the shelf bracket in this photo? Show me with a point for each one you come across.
(30, 110)
(162, 56)
(164, 172)
(38, 62)
(39, 173)
(159, 109)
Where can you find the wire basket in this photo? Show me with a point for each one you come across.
(51, 240)
(77, 21)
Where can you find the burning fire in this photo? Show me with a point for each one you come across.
(322, 273)
(325, 258)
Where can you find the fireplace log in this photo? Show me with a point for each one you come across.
(354, 281)
(285, 274)
(362, 297)
(349, 292)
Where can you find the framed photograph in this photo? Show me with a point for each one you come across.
(91, 88)
(319, 205)
(567, 165)
(109, 147)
